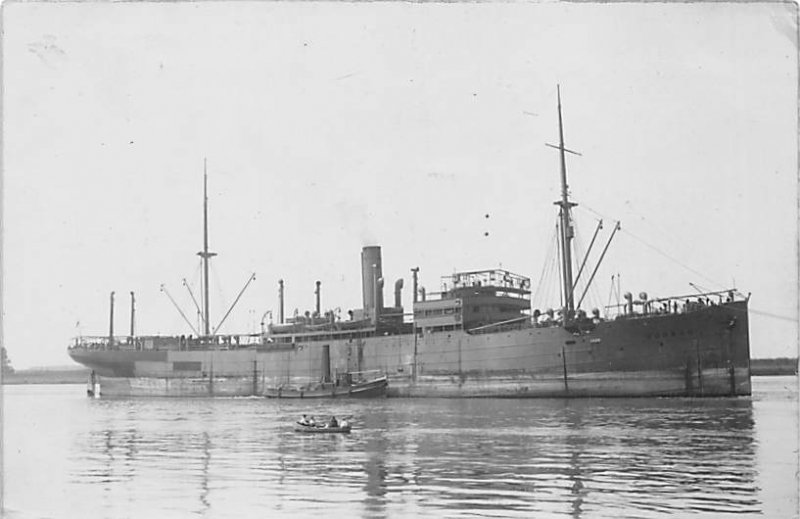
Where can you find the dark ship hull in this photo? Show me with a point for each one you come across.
(703, 352)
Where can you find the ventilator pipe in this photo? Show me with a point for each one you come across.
(398, 286)
(280, 301)
(316, 292)
(133, 303)
(414, 275)
(378, 295)
(111, 322)
(645, 302)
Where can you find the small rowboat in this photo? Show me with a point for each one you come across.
(301, 428)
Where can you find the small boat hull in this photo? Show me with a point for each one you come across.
(316, 429)
(371, 389)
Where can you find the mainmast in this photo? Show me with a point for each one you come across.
(205, 254)
(566, 229)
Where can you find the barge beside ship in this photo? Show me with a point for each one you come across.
(479, 337)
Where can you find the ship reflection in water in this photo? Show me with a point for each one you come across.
(557, 456)
(411, 458)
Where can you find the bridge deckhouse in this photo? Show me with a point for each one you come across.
(474, 299)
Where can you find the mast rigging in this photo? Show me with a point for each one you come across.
(205, 254)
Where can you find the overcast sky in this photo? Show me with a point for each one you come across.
(329, 126)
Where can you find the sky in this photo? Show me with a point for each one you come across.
(419, 127)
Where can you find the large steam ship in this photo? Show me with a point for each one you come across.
(478, 337)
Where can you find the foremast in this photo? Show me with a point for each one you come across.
(566, 231)
(206, 255)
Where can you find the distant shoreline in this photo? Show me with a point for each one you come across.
(773, 367)
(758, 368)
(46, 376)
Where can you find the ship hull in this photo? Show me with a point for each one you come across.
(699, 354)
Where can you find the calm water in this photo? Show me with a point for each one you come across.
(69, 456)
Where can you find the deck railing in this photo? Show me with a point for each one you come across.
(160, 342)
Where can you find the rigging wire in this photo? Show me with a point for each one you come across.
(189, 287)
(553, 280)
(541, 286)
(222, 299)
(688, 268)
(610, 293)
(659, 251)
(595, 298)
(546, 267)
(560, 274)
(197, 278)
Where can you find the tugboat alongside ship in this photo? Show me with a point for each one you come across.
(479, 337)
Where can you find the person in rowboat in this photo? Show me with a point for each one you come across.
(333, 423)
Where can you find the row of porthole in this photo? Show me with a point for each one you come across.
(670, 334)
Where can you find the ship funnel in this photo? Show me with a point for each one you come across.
(371, 272)
(398, 286)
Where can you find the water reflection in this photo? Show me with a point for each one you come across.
(573, 458)
(659, 456)
(206, 459)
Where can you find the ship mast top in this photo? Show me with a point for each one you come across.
(566, 229)
(205, 254)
